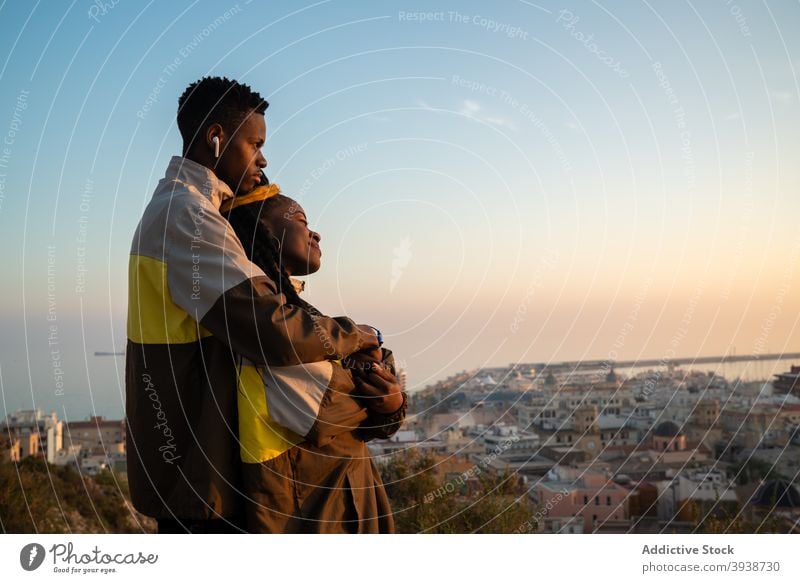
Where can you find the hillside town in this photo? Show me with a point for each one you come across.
(659, 451)
(595, 451)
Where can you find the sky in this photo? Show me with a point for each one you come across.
(493, 183)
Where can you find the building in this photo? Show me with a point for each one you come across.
(37, 433)
(617, 430)
(667, 436)
(777, 498)
(97, 443)
(694, 495)
(760, 424)
(69, 455)
(788, 382)
(580, 431)
(21, 443)
(579, 495)
(96, 436)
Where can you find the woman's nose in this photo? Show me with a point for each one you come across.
(316, 236)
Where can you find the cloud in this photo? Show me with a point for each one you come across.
(501, 122)
(733, 116)
(471, 108)
(782, 97)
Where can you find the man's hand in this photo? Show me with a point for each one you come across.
(362, 361)
(370, 352)
(379, 389)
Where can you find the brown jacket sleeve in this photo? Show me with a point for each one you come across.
(339, 411)
(255, 320)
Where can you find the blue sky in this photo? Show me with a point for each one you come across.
(493, 183)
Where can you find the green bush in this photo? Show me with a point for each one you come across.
(499, 505)
(39, 497)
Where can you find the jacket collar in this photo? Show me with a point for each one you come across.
(203, 179)
(299, 284)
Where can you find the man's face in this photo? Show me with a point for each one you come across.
(240, 161)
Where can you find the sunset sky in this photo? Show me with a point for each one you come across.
(493, 182)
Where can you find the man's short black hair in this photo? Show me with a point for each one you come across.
(215, 100)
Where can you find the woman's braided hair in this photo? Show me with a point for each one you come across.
(261, 246)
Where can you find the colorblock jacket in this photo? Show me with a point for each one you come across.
(195, 303)
(322, 481)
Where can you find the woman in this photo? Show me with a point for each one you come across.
(324, 480)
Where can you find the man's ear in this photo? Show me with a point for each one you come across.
(215, 131)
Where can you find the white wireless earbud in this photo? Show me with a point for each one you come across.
(215, 139)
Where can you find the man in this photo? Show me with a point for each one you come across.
(195, 303)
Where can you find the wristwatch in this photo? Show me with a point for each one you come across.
(378, 334)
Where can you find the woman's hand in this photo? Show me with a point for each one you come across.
(380, 389)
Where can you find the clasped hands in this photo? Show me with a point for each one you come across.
(376, 386)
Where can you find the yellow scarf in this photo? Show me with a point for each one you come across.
(258, 194)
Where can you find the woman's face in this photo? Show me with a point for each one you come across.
(299, 245)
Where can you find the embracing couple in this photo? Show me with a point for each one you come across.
(248, 410)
